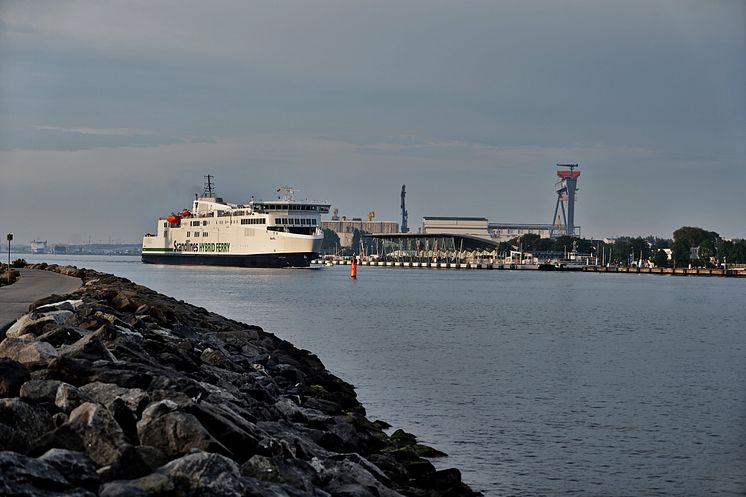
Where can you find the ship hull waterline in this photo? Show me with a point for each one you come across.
(283, 260)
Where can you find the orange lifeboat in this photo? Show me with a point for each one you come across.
(186, 213)
(173, 219)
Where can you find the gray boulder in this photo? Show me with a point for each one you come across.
(78, 468)
(39, 391)
(69, 397)
(25, 423)
(13, 374)
(204, 474)
(175, 432)
(89, 347)
(31, 323)
(105, 393)
(28, 477)
(26, 351)
(102, 437)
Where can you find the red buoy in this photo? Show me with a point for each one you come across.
(353, 271)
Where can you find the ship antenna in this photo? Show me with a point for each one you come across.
(209, 186)
(288, 192)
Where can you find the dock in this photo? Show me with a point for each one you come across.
(499, 266)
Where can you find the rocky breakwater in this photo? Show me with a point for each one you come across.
(116, 390)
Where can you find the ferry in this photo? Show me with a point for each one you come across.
(38, 246)
(279, 233)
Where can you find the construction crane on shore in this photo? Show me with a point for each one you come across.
(404, 228)
(565, 188)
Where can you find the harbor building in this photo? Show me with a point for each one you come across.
(345, 228)
(504, 232)
(472, 226)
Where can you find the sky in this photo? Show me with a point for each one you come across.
(111, 112)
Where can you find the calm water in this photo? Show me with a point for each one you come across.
(533, 383)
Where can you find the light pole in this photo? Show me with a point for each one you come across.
(9, 237)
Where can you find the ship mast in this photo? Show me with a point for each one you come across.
(209, 187)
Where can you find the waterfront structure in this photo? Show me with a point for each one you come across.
(258, 233)
(431, 247)
(566, 188)
(404, 213)
(345, 228)
(451, 225)
(504, 232)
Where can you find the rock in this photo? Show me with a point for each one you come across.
(64, 335)
(175, 432)
(29, 324)
(69, 397)
(65, 305)
(122, 489)
(149, 485)
(51, 301)
(89, 347)
(218, 359)
(40, 391)
(78, 468)
(346, 477)
(26, 351)
(206, 474)
(136, 399)
(26, 476)
(298, 474)
(102, 437)
(27, 423)
(13, 374)
(125, 301)
(126, 419)
(234, 432)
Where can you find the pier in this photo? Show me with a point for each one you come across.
(679, 271)
(503, 266)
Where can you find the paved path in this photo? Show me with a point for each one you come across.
(34, 284)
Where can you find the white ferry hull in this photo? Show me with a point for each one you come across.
(254, 260)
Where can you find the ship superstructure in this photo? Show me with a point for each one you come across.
(38, 246)
(275, 233)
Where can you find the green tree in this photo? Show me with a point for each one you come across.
(355, 246)
(505, 248)
(330, 243)
(695, 236)
(641, 249)
(682, 252)
(621, 251)
(528, 242)
(660, 259)
(660, 243)
(707, 251)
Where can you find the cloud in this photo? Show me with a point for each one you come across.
(98, 131)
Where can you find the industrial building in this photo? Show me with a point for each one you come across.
(474, 226)
(504, 232)
(345, 228)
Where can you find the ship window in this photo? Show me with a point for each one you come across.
(196, 234)
(204, 223)
(204, 233)
(189, 233)
(313, 222)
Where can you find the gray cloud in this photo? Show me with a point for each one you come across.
(470, 104)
